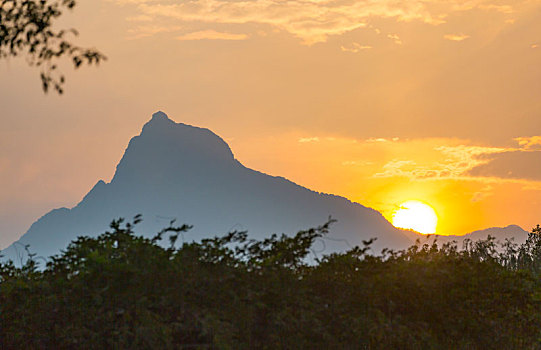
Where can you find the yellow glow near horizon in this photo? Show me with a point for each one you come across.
(416, 215)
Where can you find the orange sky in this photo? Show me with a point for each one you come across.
(378, 101)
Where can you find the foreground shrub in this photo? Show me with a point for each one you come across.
(124, 291)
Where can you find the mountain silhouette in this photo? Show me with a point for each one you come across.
(177, 171)
(514, 233)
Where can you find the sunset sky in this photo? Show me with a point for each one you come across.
(379, 101)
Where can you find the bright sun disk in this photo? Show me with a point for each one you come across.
(415, 215)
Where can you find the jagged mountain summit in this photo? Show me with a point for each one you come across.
(177, 171)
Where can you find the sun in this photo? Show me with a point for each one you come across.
(415, 215)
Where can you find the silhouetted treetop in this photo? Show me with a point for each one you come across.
(124, 291)
(26, 28)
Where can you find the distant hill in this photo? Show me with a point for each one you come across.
(514, 232)
(176, 171)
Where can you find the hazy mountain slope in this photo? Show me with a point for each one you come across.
(499, 233)
(179, 171)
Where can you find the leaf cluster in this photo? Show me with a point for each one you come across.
(26, 28)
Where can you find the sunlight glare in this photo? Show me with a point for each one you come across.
(415, 215)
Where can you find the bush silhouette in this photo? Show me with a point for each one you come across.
(120, 290)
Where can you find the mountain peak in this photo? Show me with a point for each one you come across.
(159, 120)
(166, 149)
(178, 171)
(160, 117)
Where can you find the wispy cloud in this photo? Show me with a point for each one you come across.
(308, 139)
(483, 193)
(525, 165)
(456, 37)
(143, 31)
(357, 163)
(473, 163)
(508, 9)
(395, 38)
(211, 35)
(531, 142)
(355, 47)
(381, 139)
(312, 21)
(455, 163)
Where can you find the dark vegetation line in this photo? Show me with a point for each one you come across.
(125, 291)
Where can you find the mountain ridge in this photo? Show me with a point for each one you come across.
(512, 232)
(178, 171)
